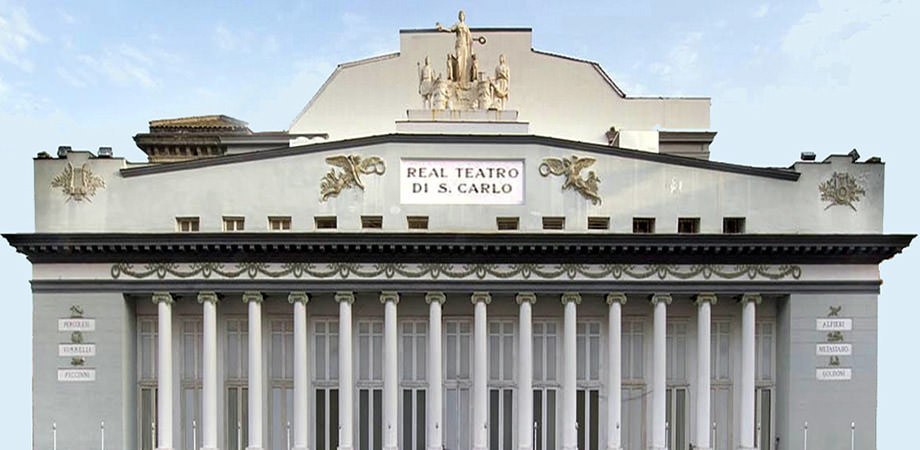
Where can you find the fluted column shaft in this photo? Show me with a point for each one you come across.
(301, 370)
(390, 371)
(256, 411)
(660, 303)
(525, 370)
(480, 371)
(701, 435)
(164, 302)
(614, 373)
(209, 415)
(748, 348)
(569, 351)
(346, 381)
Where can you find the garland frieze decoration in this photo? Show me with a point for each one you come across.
(346, 173)
(571, 169)
(841, 189)
(454, 271)
(78, 184)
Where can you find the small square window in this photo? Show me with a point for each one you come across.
(733, 225)
(598, 223)
(187, 224)
(643, 225)
(508, 223)
(688, 225)
(417, 222)
(554, 223)
(279, 223)
(326, 222)
(233, 223)
(372, 222)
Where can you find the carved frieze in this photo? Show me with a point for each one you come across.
(571, 169)
(841, 189)
(78, 183)
(346, 173)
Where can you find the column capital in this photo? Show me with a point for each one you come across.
(481, 296)
(750, 297)
(298, 296)
(616, 297)
(252, 296)
(345, 296)
(574, 297)
(528, 297)
(163, 297)
(389, 296)
(208, 296)
(435, 297)
(705, 297)
(663, 298)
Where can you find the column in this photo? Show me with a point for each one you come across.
(701, 433)
(569, 350)
(746, 416)
(254, 300)
(435, 384)
(164, 302)
(301, 369)
(615, 301)
(390, 371)
(346, 383)
(209, 416)
(659, 370)
(525, 370)
(480, 371)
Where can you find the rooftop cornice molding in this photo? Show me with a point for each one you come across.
(577, 248)
(781, 174)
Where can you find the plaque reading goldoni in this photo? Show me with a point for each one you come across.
(462, 181)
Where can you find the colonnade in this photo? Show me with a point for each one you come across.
(480, 405)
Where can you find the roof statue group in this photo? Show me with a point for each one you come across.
(465, 86)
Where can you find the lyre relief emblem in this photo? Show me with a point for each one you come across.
(347, 173)
(841, 189)
(78, 183)
(571, 168)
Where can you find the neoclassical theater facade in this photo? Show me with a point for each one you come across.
(498, 250)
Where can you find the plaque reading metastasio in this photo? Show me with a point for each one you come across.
(833, 349)
(462, 181)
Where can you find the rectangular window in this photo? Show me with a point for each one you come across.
(326, 419)
(370, 419)
(191, 380)
(676, 412)
(325, 222)
(733, 225)
(508, 223)
(233, 223)
(187, 224)
(633, 414)
(147, 381)
(544, 416)
(147, 351)
(587, 403)
(676, 352)
(457, 384)
(501, 412)
(633, 336)
(688, 225)
(237, 417)
(279, 223)
(598, 223)
(721, 351)
(147, 417)
(554, 223)
(763, 342)
(588, 345)
(417, 222)
(413, 423)
(721, 416)
(764, 418)
(544, 352)
(370, 350)
(501, 350)
(326, 350)
(643, 225)
(237, 351)
(371, 222)
(414, 350)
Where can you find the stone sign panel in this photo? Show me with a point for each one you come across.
(834, 324)
(462, 181)
(76, 350)
(76, 324)
(76, 375)
(834, 373)
(833, 349)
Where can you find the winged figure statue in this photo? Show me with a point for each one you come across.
(571, 169)
(346, 172)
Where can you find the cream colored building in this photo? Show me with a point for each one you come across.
(496, 252)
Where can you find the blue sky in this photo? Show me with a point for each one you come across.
(823, 76)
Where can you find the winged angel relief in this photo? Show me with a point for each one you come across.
(348, 174)
(571, 168)
(78, 183)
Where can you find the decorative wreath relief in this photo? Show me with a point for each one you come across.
(571, 168)
(78, 183)
(841, 189)
(348, 174)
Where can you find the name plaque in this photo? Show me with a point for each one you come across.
(834, 373)
(834, 324)
(76, 375)
(833, 349)
(76, 324)
(461, 181)
(76, 349)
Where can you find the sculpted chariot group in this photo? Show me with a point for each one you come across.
(465, 86)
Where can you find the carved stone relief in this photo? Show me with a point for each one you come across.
(347, 172)
(571, 168)
(78, 183)
(841, 189)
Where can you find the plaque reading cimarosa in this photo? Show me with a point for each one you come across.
(462, 181)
